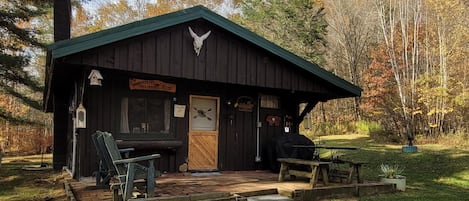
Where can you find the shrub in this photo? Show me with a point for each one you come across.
(367, 127)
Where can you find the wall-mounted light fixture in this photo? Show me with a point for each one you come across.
(95, 78)
(81, 117)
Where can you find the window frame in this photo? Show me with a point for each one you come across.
(170, 135)
(269, 99)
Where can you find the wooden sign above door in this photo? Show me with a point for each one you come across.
(152, 85)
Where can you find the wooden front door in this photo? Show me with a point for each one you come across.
(203, 132)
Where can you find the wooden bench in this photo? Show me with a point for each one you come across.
(317, 167)
(347, 174)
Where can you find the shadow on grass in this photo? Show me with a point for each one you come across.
(19, 184)
(434, 173)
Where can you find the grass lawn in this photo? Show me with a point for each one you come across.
(436, 172)
(18, 184)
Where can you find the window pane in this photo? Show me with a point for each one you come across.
(269, 102)
(125, 115)
(137, 115)
(155, 115)
(204, 114)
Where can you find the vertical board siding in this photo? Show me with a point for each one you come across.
(121, 57)
(106, 57)
(175, 68)
(278, 75)
(90, 58)
(251, 67)
(249, 141)
(223, 58)
(232, 62)
(221, 67)
(163, 48)
(271, 68)
(237, 139)
(241, 65)
(261, 70)
(149, 54)
(135, 56)
(212, 55)
(232, 66)
(188, 60)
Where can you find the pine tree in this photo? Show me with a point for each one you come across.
(20, 44)
(297, 25)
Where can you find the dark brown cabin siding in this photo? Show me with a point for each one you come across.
(223, 58)
(237, 137)
(227, 67)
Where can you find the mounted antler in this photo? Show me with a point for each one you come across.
(198, 40)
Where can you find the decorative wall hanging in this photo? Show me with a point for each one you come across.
(244, 104)
(95, 78)
(273, 120)
(198, 40)
(152, 85)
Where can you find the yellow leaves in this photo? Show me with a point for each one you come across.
(417, 112)
(462, 99)
(434, 111)
(432, 125)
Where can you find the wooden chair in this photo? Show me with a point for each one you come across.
(106, 168)
(128, 170)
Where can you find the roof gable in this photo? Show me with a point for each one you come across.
(86, 42)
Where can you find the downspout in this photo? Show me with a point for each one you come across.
(74, 132)
(74, 127)
(258, 126)
(74, 147)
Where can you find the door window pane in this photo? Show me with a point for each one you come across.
(204, 114)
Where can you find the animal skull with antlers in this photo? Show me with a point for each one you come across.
(198, 40)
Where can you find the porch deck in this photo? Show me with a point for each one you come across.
(177, 184)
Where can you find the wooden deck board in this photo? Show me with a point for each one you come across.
(185, 184)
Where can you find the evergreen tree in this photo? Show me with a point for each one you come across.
(20, 47)
(297, 25)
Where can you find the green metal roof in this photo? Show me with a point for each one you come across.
(86, 42)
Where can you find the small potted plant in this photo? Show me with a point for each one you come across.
(393, 174)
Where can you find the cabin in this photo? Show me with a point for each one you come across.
(193, 86)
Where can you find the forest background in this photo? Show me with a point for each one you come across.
(408, 56)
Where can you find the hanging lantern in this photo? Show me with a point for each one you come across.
(95, 78)
(81, 117)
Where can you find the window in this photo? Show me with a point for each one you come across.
(270, 102)
(145, 114)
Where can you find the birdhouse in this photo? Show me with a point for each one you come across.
(95, 78)
(81, 117)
